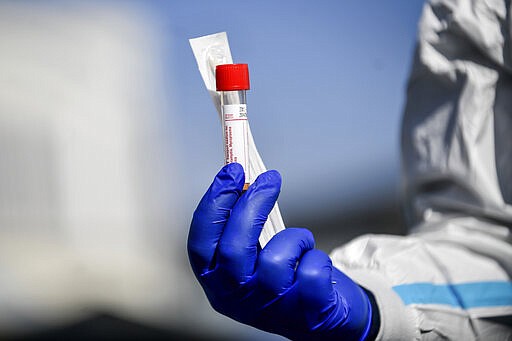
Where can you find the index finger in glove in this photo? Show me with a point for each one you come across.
(211, 215)
(238, 247)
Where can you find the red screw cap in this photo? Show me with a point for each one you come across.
(232, 77)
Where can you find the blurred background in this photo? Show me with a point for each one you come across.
(108, 139)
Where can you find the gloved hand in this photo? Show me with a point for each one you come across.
(288, 287)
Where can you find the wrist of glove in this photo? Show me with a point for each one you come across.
(288, 287)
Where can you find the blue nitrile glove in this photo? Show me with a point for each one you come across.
(288, 287)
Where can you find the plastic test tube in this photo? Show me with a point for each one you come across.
(232, 81)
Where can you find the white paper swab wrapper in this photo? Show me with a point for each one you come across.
(209, 52)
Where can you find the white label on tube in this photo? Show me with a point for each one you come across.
(236, 146)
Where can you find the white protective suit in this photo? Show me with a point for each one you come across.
(450, 278)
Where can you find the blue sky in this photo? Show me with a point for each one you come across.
(328, 86)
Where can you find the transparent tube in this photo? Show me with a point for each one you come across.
(235, 130)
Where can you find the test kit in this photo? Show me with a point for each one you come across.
(227, 84)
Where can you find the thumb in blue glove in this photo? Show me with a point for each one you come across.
(288, 287)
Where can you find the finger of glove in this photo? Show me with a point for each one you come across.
(211, 215)
(314, 281)
(322, 290)
(238, 246)
(277, 261)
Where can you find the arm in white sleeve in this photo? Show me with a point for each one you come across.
(450, 278)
